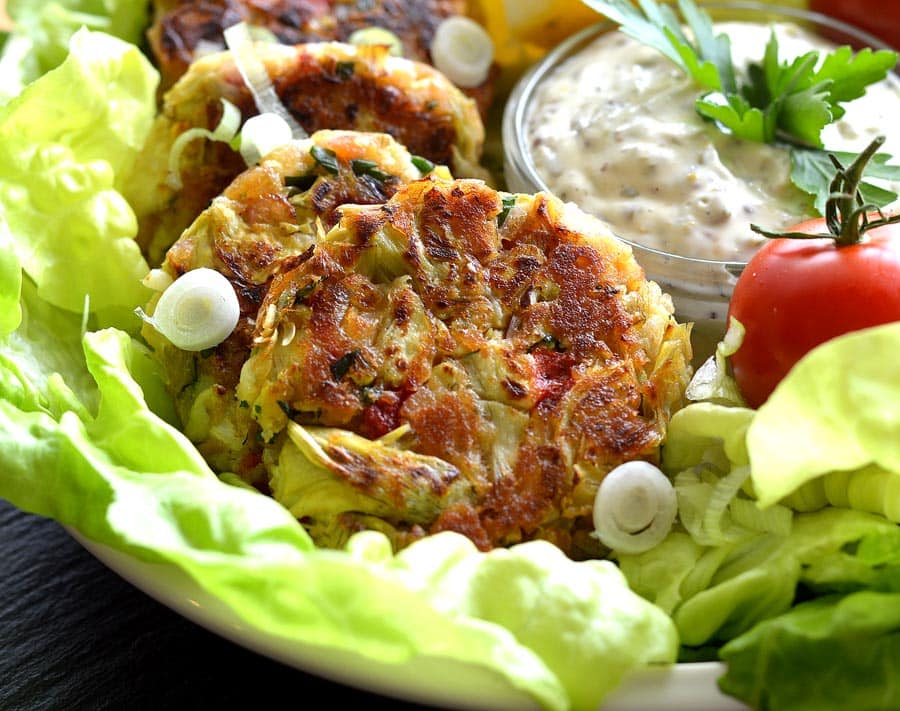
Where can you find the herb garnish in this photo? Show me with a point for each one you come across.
(507, 202)
(304, 291)
(300, 182)
(787, 102)
(424, 165)
(344, 70)
(548, 342)
(325, 157)
(362, 167)
(342, 365)
(286, 408)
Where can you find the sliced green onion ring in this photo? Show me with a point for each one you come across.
(240, 41)
(198, 311)
(225, 131)
(634, 508)
(262, 133)
(463, 51)
(379, 36)
(158, 280)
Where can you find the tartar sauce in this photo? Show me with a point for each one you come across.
(614, 129)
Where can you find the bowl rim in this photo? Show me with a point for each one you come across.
(517, 152)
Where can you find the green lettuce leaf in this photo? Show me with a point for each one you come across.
(829, 654)
(41, 362)
(10, 282)
(717, 593)
(17, 65)
(707, 433)
(578, 618)
(125, 478)
(873, 564)
(43, 31)
(63, 143)
(713, 381)
(87, 437)
(838, 410)
(733, 561)
(790, 606)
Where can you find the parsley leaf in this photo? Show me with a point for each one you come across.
(658, 26)
(787, 102)
(733, 110)
(812, 171)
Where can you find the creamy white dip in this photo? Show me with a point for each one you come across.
(614, 129)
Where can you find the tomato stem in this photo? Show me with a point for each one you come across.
(847, 215)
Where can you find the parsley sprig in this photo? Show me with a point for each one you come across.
(787, 102)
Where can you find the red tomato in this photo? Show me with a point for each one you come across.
(877, 17)
(797, 293)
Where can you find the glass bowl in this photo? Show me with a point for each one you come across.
(700, 287)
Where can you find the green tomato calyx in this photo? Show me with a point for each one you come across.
(847, 215)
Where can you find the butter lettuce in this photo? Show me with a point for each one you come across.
(63, 142)
(849, 646)
(838, 411)
(578, 617)
(125, 478)
(728, 569)
(10, 282)
(87, 437)
(787, 602)
(44, 29)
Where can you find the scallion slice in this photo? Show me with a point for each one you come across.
(240, 41)
(463, 51)
(225, 131)
(261, 134)
(634, 508)
(197, 311)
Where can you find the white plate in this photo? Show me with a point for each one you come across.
(683, 687)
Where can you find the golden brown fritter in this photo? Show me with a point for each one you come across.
(263, 222)
(453, 359)
(183, 30)
(325, 86)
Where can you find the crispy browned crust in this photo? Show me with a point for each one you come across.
(325, 86)
(180, 27)
(535, 326)
(509, 349)
(260, 226)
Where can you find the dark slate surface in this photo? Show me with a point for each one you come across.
(75, 636)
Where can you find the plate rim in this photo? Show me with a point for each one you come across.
(677, 687)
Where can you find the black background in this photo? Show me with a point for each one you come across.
(74, 636)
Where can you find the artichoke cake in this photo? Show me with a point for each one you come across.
(453, 358)
(184, 30)
(268, 217)
(326, 85)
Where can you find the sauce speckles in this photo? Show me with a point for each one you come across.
(614, 129)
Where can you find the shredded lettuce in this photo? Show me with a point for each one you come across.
(717, 593)
(713, 381)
